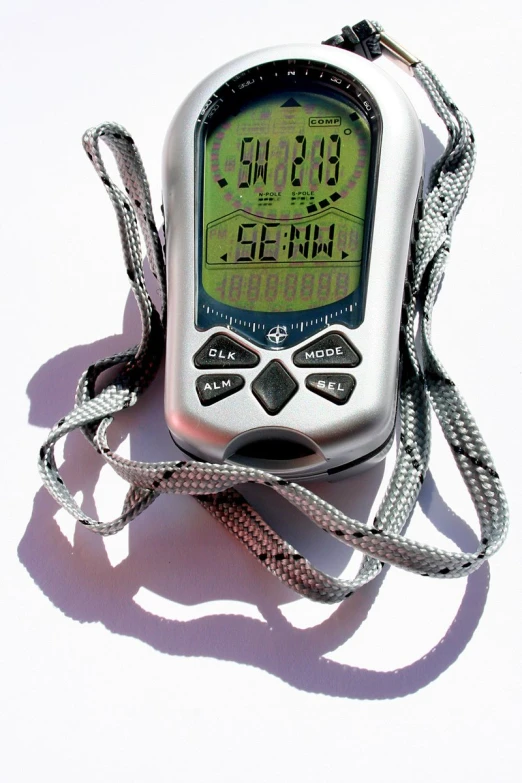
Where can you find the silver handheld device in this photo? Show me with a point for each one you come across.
(292, 181)
(291, 190)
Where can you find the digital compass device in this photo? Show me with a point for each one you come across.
(291, 188)
(296, 290)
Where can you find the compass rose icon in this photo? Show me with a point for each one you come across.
(277, 334)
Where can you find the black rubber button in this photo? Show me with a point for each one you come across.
(212, 388)
(336, 387)
(221, 352)
(333, 350)
(273, 387)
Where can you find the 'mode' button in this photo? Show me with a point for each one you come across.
(221, 352)
(336, 387)
(330, 351)
(212, 388)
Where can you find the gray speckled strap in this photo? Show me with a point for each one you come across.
(424, 381)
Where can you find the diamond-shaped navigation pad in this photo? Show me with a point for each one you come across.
(212, 388)
(336, 387)
(223, 353)
(273, 387)
(333, 350)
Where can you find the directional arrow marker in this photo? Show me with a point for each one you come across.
(291, 103)
(224, 256)
(344, 255)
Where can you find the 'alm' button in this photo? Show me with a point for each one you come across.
(212, 388)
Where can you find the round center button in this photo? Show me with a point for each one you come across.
(273, 387)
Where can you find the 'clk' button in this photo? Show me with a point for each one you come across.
(221, 352)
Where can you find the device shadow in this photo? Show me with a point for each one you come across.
(176, 552)
(179, 553)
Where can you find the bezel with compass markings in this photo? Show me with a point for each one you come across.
(250, 96)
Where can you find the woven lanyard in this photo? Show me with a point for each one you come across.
(424, 383)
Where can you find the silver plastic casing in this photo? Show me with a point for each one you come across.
(336, 439)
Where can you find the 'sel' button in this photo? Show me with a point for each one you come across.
(212, 388)
(336, 387)
(333, 350)
(221, 352)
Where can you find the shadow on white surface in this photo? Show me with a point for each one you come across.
(176, 551)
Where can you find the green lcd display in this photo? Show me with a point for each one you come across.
(284, 206)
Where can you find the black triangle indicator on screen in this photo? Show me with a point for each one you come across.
(224, 256)
(344, 255)
(291, 103)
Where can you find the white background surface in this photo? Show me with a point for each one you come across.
(167, 653)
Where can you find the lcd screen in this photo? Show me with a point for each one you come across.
(284, 205)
